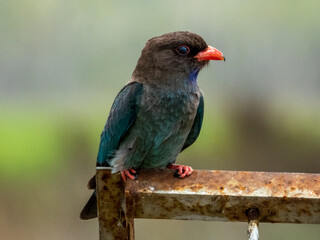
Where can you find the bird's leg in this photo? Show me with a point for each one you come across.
(182, 170)
(130, 173)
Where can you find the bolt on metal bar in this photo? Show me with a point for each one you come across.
(253, 230)
(253, 227)
(205, 195)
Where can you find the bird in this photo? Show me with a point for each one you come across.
(158, 113)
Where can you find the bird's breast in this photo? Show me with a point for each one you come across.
(163, 123)
(169, 110)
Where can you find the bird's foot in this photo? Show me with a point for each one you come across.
(130, 173)
(182, 170)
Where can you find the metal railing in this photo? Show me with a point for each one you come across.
(251, 197)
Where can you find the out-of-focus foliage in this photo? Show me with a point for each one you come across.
(63, 62)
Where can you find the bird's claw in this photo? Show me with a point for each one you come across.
(182, 170)
(130, 173)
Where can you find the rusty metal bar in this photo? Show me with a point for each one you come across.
(113, 224)
(208, 195)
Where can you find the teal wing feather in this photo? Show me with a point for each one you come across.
(122, 115)
(195, 130)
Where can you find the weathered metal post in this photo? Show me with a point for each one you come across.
(111, 203)
(253, 219)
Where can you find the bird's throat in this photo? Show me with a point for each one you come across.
(193, 76)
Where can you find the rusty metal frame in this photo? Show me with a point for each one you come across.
(206, 195)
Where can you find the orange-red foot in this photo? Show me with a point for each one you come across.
(130, 173)
(182, 170)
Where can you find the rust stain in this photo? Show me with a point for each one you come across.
(112, 219)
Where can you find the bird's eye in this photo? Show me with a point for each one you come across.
(183, 50)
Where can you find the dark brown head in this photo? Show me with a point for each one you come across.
(173, 57)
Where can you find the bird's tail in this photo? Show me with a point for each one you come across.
(90, 209)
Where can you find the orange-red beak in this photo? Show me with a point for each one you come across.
(210, 54)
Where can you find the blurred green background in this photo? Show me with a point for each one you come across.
(63, 62)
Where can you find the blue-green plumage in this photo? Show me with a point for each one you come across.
(122, 115)
(197, 124)
(148, 127)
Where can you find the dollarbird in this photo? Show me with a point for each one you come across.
(159, 112)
